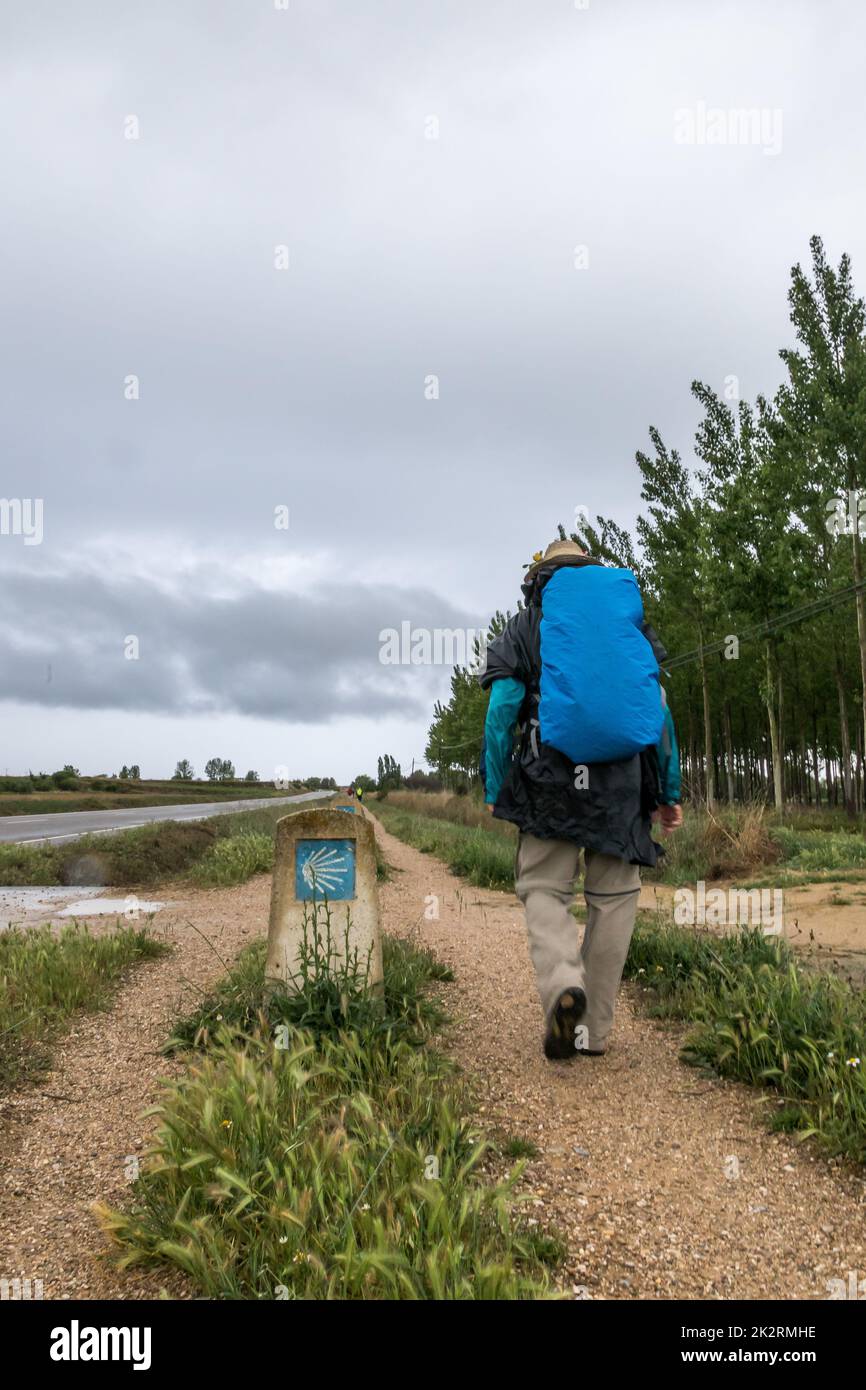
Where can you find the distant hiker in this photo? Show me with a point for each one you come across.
(577, 669)
(359, 792)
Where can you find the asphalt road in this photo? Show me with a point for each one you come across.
(69, 825)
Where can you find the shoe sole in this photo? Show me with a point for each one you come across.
(569, 1009)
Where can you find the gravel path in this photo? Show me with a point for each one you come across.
(634, 1147)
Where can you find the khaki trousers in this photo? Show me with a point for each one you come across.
(545, 874)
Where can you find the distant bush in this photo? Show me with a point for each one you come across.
(420, 781)
(66, 780)
(21, 785)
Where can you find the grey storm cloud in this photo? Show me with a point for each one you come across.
(408, 256)
(309, 127)
(309, 657)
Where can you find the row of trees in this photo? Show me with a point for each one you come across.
(223, 770)
(454, 738)
(389, 775)
(215, 770)
(390, 778)
(751, 567)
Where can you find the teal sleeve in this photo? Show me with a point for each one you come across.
(669, 762)
(506, 697)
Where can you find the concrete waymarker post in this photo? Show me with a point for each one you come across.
(321, 859)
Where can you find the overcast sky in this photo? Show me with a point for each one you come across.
(430, 167)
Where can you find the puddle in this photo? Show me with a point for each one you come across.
(18, 902)
(25, 905)
(117, 907)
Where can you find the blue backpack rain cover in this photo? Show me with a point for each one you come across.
(600, 694)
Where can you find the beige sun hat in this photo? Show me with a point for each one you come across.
(557, 550)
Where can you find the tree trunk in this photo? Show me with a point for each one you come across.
(860, 599)
(845, 739)
(805, 781)
(710, 797)
(746, 745)
(775, 748)
(729, 751)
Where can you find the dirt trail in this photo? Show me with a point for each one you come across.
(65, 1143)
(634, 1146)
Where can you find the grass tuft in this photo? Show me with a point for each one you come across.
(45, 979)
(234, 859)
(758, 1018)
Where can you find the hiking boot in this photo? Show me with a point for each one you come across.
(564, 1018)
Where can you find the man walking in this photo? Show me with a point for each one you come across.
(577, 669)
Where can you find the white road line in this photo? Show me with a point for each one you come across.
(78, 835)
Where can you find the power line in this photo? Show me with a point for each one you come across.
(793, 615)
